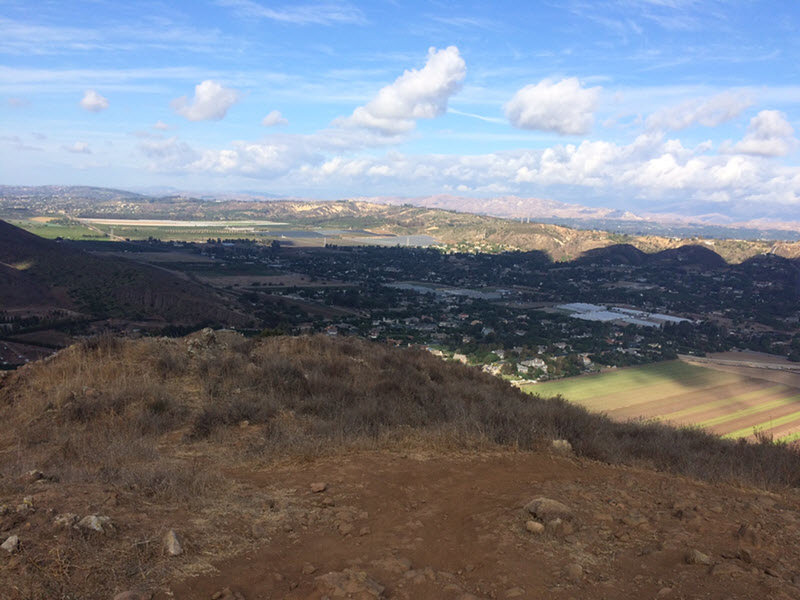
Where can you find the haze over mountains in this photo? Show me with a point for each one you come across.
(573, 214)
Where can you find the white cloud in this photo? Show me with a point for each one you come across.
(416, 94)
(769, 134)
(93, 102)
(651, 168)
(160, 125)
(274, 118)
(708, 112)
(327, 13)
(78, 148)
(561, 106)
(210, 103)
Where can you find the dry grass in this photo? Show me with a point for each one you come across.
(99, 410)
(154, 426)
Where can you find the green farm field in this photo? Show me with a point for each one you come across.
(64, 228)
(727, 403)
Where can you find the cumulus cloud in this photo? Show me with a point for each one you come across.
(210, 103)
(274, 118)
(93, 102)
(563, 106)
(161, 126)
(651, 167)
(769, 134)
(78, 148)
(416, 94)
(708, 112)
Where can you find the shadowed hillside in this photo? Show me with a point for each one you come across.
(36, 270)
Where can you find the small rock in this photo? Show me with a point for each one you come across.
(308, 569)
(98, 523)
(172, 545)
(516, 592)
(574, 572)
(546, 509)
(327, 501)
(345, 528)
(695, 557)
(534, 526)
(745, 555)
(4, 510)
(318, 486)
(364, 531)
(11, 544)
(664, 592)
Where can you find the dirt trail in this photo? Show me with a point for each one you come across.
(454, 527)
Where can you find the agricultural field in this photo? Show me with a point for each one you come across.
(731, 404)
(52, 227)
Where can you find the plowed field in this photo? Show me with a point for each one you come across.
(729, 403)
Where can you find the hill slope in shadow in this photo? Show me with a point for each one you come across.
(36, 269)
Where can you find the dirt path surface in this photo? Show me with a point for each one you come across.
(455, 527)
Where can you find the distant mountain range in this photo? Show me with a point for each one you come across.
(713, 224)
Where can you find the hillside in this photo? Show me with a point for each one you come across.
(37, 271)
(311, 467)
(447, 226)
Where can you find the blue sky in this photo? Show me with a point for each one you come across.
(669, 105)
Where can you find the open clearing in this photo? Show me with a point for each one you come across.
(727, 402)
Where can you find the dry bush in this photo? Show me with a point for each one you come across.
(98, 410)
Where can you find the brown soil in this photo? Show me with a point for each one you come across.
(450, 526)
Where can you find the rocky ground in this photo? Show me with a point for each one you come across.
(416, 526)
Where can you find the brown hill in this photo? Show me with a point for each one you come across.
(449, 226)
(101, 286)
(427, 470)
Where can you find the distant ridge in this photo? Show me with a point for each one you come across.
(577, 215)
(458, 230)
